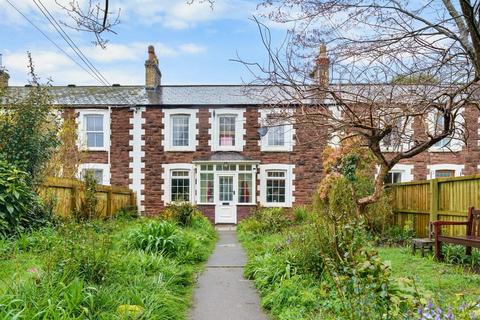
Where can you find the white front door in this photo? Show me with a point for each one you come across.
(226, 204)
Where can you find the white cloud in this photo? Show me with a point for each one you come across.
(192, 48)
(119, 63)
(179, 14)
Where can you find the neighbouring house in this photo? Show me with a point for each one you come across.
(216, 145)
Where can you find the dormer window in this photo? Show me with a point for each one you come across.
(227, 129)
(180, 129)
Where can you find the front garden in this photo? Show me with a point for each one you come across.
(303, 270)
(124, 268)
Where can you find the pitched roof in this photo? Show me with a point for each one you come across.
(164, 95)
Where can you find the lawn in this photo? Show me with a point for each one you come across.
(441, 279)
(291, 266)
(103, 270)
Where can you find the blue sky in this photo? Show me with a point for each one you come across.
(194, 43)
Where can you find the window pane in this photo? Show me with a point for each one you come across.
(439, 125)
(180, 185)
(180, 130)
(94, 122)
(276, 186)
(444, 173)
(96, 173)
(276, 136)
(226, 130)
(95, 139)
(225, 185)
(94, 129)
(245, 188)
(206, 188)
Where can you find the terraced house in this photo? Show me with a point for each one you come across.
(217, 146)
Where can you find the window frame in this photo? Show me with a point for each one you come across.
(457, 168)
(289, 184)
(167, 130)
(455, 144)
(82, 141)
(167, 170)
(288, 129)
(105, 167)
(217, 168)
(214, 131)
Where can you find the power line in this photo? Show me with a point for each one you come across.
(53, 42)
(69, 41)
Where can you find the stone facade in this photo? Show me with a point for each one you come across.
(306, 154)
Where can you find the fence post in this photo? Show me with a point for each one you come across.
(109, 202)
(133, 201)
(434, 200)
(74, 199)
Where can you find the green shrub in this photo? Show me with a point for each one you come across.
(29, 127)
(85, 252)
(159, 236)
(300, 214)
(182, 213)
(20, 207)
(265, 220)
(127, 213)
(456, 255)
(397, 235)
(88, 208)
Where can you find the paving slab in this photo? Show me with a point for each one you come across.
(222, 293)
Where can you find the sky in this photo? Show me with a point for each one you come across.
(195, 44)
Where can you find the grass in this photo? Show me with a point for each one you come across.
(441, 279)
(92, 271)
(290, 290)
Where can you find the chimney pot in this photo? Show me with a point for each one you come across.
(153, 76)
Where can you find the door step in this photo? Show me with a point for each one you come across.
(225, 227)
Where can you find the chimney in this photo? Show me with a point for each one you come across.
(322, 67)
(4, 76)
(153, 76)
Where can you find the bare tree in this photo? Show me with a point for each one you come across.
(97, 18)
(354, 90)
(94, 17)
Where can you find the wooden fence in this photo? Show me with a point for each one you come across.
(437, 199)
(68, 194)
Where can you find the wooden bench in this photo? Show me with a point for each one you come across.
(471, 238)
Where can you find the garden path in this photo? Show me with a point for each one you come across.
(222, 293)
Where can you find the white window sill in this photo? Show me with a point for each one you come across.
(179, 149)
(95, 149)
(276, 149)
(443, 150)
(246, 204)
(276, 205)
(221, 148)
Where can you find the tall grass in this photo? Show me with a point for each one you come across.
(95, 270)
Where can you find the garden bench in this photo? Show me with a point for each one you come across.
(471, 238)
